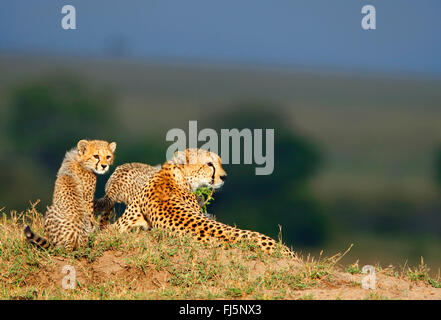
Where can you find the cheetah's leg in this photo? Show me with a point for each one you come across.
(69, 240)
(132, 217)
(204, 229)
(87, 208)
(104, 205)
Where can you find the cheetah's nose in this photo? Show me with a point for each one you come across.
(223, 177)
(104, 166)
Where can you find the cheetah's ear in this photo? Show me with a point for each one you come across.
(82, 146)
(180, 157)
(112, 146)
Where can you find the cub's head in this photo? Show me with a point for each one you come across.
(96, 155)
(201, 168)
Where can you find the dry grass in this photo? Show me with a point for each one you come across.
(158, 265)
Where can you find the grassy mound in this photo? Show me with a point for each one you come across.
(158, 265)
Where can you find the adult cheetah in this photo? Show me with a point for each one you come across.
(168, 202)
(123, 185)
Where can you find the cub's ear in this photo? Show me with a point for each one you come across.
(180, 157)
(82, 146)
(112, 146)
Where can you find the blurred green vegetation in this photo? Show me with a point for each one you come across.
(262, 202)
(47, 118)
(437, 169)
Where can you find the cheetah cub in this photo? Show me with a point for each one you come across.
(123, 185)
(70, 219)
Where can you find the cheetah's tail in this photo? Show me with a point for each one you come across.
(35, 239)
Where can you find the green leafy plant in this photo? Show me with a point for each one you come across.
(204, 195)
(353, 268)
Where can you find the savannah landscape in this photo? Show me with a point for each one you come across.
(366, 193)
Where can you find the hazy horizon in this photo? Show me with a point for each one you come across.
(312, 35)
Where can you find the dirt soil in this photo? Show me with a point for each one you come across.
(344, 285)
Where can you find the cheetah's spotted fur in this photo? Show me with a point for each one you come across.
(70, 219)
(167, 202)
(123, 185)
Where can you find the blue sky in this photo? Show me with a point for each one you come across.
(302, 33)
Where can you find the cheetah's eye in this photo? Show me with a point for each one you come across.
(96, 156)
(108, 157)
(210, 164)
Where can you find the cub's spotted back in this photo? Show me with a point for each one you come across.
(125, 183)
(122, 187)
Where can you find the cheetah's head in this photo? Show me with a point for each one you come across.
(96, 155)
(201, 168)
